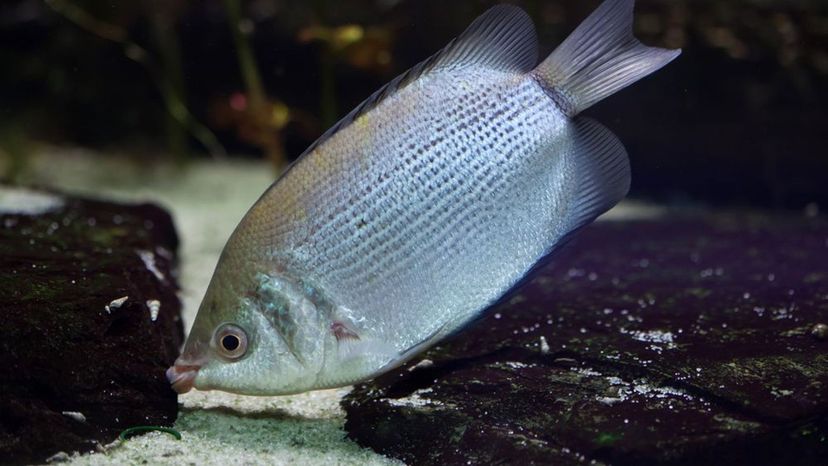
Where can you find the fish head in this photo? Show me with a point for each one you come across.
(250, 342)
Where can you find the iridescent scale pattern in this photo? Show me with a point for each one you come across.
(426, 209)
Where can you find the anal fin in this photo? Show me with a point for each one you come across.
(602, 171)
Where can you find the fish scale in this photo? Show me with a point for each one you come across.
(399, 252)
(420, 209)
(446, 171)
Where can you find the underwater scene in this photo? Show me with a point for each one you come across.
(376, 232)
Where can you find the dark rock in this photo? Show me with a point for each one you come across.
(74, 372)
(820, 331)
(683, 341)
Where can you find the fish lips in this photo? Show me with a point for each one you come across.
(182, 377)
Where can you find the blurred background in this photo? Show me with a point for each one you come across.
(738, 120)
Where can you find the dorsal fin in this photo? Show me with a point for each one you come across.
(503, 38)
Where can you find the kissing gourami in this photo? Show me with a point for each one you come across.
(420, 209)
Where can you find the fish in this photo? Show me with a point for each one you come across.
(424, 206)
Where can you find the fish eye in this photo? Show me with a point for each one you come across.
(231, 341)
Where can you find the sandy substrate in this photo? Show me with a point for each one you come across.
(207, 199)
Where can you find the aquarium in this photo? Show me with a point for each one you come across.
(414, 232)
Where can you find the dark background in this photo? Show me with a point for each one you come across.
(738, 120)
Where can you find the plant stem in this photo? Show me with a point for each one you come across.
(174, 104)
(247, 63)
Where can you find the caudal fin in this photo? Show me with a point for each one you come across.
(599, 58)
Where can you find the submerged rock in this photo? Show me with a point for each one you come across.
(682, 341)
(82, 353)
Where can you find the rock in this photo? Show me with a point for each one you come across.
(81, 359)
(680, 341)
(820, 331)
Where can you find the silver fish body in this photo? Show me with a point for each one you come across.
(420, 209)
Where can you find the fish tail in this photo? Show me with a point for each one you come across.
(599, 58)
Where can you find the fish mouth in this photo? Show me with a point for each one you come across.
(182, 377)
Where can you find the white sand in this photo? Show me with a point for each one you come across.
(207, 199)
(22, 201)
(224, 429)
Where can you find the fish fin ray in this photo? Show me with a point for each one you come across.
(602, 169)
(599, 58)
(342, 331)
(502, 38)
(401, 357)
(353, 349)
